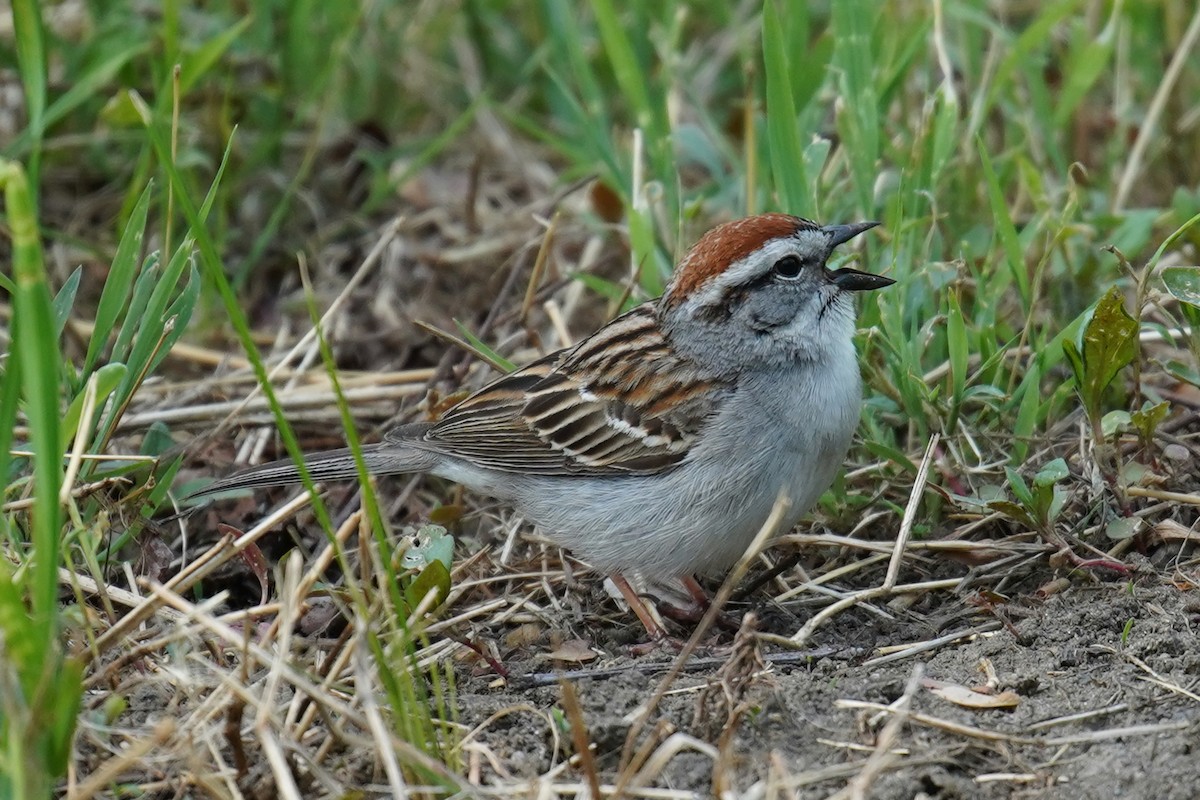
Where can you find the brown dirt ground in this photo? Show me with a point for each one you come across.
(1064, 657)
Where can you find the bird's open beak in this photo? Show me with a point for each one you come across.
(852, 280)
(840, 234)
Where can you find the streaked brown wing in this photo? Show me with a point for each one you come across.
(619, 402)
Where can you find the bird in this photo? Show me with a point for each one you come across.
(658, 445)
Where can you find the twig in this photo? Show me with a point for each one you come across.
(910, 512)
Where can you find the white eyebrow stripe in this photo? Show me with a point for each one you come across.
(741, 272)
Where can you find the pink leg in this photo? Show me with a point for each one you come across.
(693, 587)
(638, 605)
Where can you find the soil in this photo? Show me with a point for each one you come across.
(1121, 658)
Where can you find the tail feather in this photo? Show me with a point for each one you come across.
(330, 465)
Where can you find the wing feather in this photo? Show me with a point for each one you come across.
(620, 402)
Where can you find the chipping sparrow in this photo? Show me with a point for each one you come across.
(659, 444)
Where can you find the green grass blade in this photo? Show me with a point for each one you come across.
(143, 288)
(35, 346)
(858, 121)
(31, 60)
(85, 89)
(121, 276)
(198, 63)
(64, 301)
(789, 174)
(628, 70)
(1014, 255)
(1084, 67)
(10, 393)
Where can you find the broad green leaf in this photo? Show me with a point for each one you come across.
(435, 576)
(1053, 472)
(120, 111)
(1115, 421)
(164, 479)
(1183, 372)
(1058, 500)
(1183, 283)
(858, 119)
(1109, 344)
(157, 440)
(429, 544)
(1019, 488)
(1122, 527)
(1149, 417)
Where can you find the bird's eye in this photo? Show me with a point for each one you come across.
(788, 267)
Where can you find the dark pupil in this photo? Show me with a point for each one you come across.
(787, 267)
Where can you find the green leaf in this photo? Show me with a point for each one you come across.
(1019, 488)
(30, 41)
(946, 136)
(1109, 344)
(893, 454)
(1057, 502)
(120, 112)
(429, 544)
(1075, 359)
(435, 576)
(1027, 413)
(1183, 283)
(1183, 372)
(178, 315)
(1053, 472)
(157, 440)
(1122, 527)
(1149, 417)
(1114, 422)
(1014, 512)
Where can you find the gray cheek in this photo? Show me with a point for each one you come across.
(766, 312)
